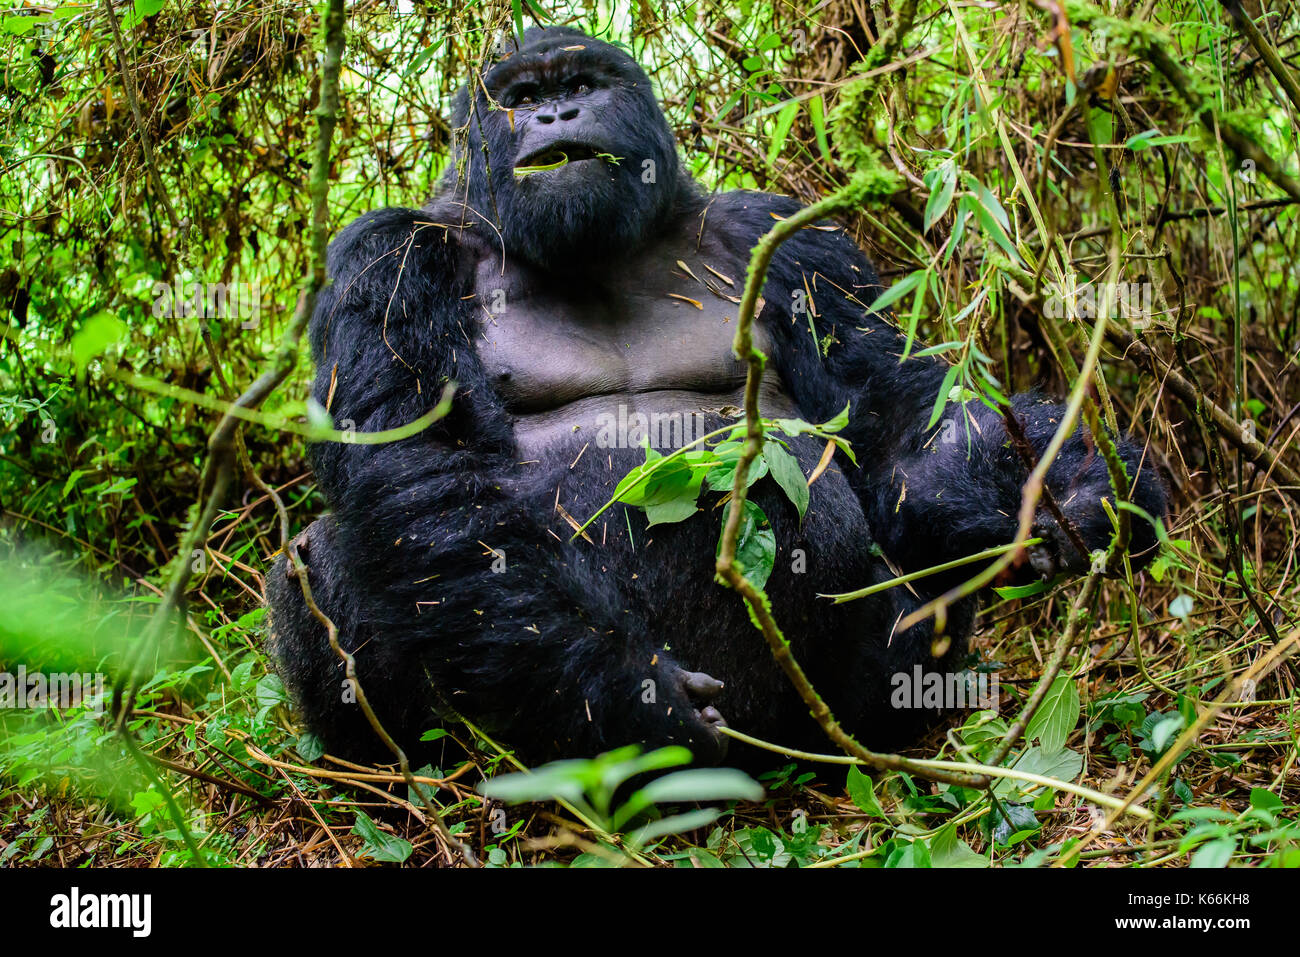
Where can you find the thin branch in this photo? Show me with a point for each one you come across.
(1191, 396)
(133, 98)
(861, 186)
(1265, 50)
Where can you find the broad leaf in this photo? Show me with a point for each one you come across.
(1057, 716)
(785, 469)
(755, 544)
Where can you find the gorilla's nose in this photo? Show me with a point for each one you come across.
(569, 113)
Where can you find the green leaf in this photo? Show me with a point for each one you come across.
(912, 854)
(270, 691)
(20, 26)
(1216, 853)
(817, 112)
(837, 423)
(1101, 126)
(670, 512)
(1265, 800)
(995, 231)
(1166, 731)
(309, 747)
(755, 544)
(1014, 823)
(72, 480)
(703, 784)
(1057, 716)
(941, 400)
(1061, 765)
(521, 172)
(615, 767)
(785, 470)
(1022, 591)
(897, 291)
(986, 200)
(146, 802)
(380, 846)
(660, 481)
(95, 335)
(948, 850)
(674, 824)
(559, 779)
(517, 14)
(422, 791)
(862, 793)
(1149, 138)
(148, 8)
(722, 477)
(117, 487)
(983, 727)
(318, 416)
(939, 349)
(964, 205)
(784, 121)
(943, 186)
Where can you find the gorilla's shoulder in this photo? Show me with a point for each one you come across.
(741, 217)
(434, 236)
(750, 210)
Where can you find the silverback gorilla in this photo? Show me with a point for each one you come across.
(598, 286)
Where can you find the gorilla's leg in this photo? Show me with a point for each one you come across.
(508, 633)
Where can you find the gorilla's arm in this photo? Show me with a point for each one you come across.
(434, 574)
(930, 494)
(389, 331)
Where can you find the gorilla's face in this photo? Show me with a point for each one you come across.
(579, 160)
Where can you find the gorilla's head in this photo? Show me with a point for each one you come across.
(586, 110)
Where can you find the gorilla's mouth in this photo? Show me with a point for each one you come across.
(558, 155)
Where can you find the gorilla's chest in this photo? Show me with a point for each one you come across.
(655, 339)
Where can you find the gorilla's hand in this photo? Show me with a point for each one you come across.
(1091, 527)
(692, 719)
(1058, 553)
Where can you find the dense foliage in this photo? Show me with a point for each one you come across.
(1048, 182)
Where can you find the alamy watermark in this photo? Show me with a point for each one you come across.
(133, 912)
(1130, 300)
(180, 299)
(59, 689)
(946, 690)
(660, 430)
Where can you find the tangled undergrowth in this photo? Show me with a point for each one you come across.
(1054, 165)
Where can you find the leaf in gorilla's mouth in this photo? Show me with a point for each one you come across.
(559, 156)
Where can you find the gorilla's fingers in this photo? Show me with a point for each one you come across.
(701, 687)
(1043, 561)
(713, 717)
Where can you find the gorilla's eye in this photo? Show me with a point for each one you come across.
(579, 85)
(522, 95)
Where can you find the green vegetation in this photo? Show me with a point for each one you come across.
(1101, 203)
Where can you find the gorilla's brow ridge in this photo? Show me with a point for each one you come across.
(549, 69)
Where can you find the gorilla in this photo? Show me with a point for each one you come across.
(568, 274)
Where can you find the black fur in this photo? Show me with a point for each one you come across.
(553, 651)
